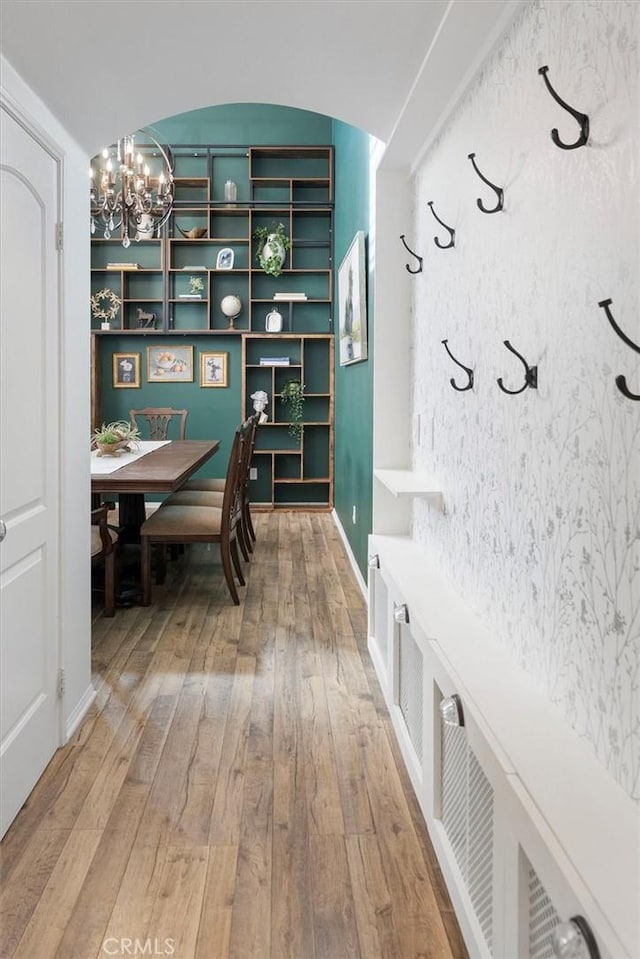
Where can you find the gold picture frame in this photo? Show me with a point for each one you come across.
(126, 371)
(214, 369)
(170, 364)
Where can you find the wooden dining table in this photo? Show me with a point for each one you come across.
(162, 470)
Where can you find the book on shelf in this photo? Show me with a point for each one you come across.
(274, 361)
(122, 266)
(201, 267)
(290, 296)
(190, 296)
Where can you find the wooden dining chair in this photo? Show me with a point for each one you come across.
(209, 492)
(179, 523)
(103, 541)
(158, 419)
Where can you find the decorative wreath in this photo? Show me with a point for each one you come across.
(110, 312)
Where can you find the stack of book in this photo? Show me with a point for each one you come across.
(274, 361)
(122, 266)
(290, 296)
(201, 267)
(190, 296)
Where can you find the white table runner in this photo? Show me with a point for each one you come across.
(109, 464)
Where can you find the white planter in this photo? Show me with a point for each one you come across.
(273, 250)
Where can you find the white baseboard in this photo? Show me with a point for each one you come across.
(78, 713)
(354, 566)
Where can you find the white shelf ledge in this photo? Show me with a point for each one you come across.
(406, 483)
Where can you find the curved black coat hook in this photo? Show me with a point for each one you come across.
(582, 118)
(530, 376)
(621, 382)
(452, 233)
(497, 190)
(418, 258)
(460, 389)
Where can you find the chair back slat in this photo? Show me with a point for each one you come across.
(158, 419)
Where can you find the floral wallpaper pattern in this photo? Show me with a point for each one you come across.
(541, 529)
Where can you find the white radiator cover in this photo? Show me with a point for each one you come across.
(528, 827)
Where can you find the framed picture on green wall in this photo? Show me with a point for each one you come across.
(170, 364)
(352, 303)
(213, 369)
(126, 371)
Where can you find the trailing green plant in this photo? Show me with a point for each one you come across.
(292, 395)
(120, 431)
(270, 261)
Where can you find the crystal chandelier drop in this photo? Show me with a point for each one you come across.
(131, 187)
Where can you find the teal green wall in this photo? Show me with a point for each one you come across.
(212, 412)
(353, 384)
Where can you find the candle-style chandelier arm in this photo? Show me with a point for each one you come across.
(126, 194)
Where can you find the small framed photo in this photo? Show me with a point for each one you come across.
(225, 258)
(214, 369)
(170, 364)
(126, 371)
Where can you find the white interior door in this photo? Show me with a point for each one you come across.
(29, 485)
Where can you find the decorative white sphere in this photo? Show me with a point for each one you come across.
(231, 305)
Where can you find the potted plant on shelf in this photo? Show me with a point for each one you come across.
(273, 246)
(114, 438)
(292, 395)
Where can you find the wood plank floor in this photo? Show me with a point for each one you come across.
(236, 789)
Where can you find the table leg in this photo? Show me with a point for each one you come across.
(132, 516)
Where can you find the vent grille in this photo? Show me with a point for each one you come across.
(467, 819)
(410, 690)
(543, 919)
(480, 847)
(454, 790)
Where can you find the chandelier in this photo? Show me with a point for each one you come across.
(131, 188)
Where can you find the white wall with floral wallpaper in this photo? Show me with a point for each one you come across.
(541, 529)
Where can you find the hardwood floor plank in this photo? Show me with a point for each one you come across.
(49, 920)
(28, 880)
(227, 804)
(375, 919)
(423, 932)
(251, 920)
(176, 912)
(133, 907)
(214, 933)
(291, 898)
(334, 923)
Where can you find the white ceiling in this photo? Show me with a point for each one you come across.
(106, 67)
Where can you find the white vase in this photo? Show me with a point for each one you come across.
(273, 248)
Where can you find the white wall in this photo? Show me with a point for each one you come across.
(542, 526)
(74, 413)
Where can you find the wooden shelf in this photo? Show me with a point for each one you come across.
(292, 184)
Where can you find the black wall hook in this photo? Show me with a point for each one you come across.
(530, 376)
(460, 389)
(582, 118)
(418, 258)
(497, 190)
(452, 233)
(621, 381)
